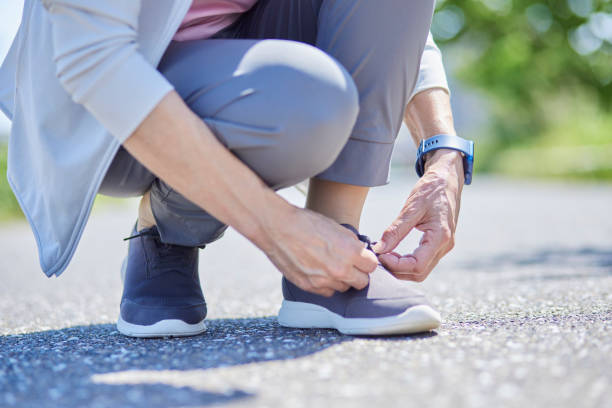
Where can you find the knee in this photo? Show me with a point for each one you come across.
(322, 107)
(324, 117)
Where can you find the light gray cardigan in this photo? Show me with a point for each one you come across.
(78, 80)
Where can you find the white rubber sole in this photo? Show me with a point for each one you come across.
(163, 328)
(417, 319)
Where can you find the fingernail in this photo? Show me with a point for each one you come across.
(380, 246)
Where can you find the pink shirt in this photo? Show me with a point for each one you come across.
(207, 17)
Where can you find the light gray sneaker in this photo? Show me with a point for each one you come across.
(386, 306)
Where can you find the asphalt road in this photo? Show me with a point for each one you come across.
(526, 298)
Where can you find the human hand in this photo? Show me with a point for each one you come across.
(316, 253)
(432, 207)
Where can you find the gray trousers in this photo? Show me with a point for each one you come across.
(328, 103)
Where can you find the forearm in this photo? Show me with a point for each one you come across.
(178, 147)
(428, 114)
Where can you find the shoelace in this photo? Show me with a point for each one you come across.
(140, 234)
(369, 244)
(170, 255)
(150, 232)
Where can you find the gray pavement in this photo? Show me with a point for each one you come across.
(526, 298)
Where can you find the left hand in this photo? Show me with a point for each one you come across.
(433, 208)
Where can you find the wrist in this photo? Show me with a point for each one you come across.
(446, 162)
(267, 220)
(443, 156)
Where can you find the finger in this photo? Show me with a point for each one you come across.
(409, 277)
(395, 233)
(323, 282)
(356, 278)
(323, 292)
(397, 264)
(418, 265)
(433, 244)
(340, 286)
(402, 266)
(426, 255)
(344, 287)
(362, 279)
(305, 283)
(403, 269)
(366, 261)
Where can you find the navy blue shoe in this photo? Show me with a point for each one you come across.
(162, 295)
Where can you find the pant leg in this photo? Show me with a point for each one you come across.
(126, 177)
(380, 43)
(286, 109)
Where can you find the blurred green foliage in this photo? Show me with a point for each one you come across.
(9, 208)
(546, 67)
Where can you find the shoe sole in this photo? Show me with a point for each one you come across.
(417, 319)
(163, 328)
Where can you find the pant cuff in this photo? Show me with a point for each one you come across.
(181, 222)
(361, 163)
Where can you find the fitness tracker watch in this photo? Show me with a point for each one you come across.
(447, 142)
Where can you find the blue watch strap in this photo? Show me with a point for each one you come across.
(447, 142)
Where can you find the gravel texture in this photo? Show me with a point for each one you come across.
(525, 296)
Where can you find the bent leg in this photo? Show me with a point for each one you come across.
(380, 43)
(285, 109)
(126, 177)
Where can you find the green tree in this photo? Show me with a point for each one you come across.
(545, 64)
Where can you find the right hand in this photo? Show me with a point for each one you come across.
(317, 254)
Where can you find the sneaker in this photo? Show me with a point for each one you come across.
(162, 296)
(386, 306)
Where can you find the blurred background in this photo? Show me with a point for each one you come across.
(531, 83)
